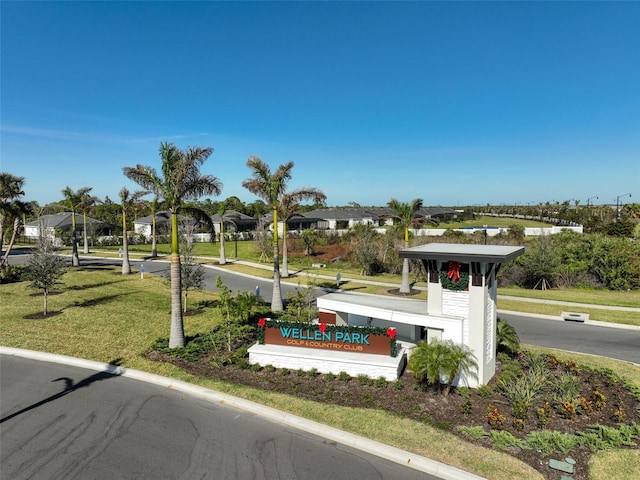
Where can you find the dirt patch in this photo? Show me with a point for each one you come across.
(411, 399)
(396, 291)
(41, 315)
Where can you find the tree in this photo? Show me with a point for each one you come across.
(127, 201)
(271, 187)
(73, 201)
(309, 240)
(192, 274)
(45, 268)
(541, 262)
(516, 232)
(86, 204)
(180, 181)
(236, 312)
(405, 216)
(290, 206)
(365, 248)
(11, 210)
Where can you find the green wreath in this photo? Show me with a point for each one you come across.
(461, 284)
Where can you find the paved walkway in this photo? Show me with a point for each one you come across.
(293, 273)
(392, 285)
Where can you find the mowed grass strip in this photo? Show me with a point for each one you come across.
(612, 316)
(577, 295)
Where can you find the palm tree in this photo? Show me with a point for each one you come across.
(426, 361)
(290, 206)
(271, 187)
(127, 202)
(11, 207)
(457, 360)
(181, 180)
(406, 217)
(73, 201)
(86, 204)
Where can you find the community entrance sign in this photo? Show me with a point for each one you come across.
(373, 335)
(377, 341)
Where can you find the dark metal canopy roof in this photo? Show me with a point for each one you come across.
(463, 253)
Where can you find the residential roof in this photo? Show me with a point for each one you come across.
(62, 220)
(335, 213)
(233, 216)
(162, 217)
(463, 253)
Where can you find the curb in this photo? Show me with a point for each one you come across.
(393, 454)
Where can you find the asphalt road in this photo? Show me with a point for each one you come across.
(618, 343)
(64, 422)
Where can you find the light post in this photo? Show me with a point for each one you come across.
(618, 203)
(591, 198)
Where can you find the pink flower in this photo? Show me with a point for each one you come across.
(391, 332)
(262, 322)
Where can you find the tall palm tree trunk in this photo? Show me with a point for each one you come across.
(126, 266)
(154, 241)
(404, 286)
(176, 336)
(75, 258)
(223, 256)
(285, 262)
(276, 298)
(84, 229)
(5, 258)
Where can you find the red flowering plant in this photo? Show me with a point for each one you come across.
(262, 323)
(393, 345)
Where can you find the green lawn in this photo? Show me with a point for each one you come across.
(494, 222)
(105, 316)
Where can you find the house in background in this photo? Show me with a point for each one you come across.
(63, 222)
(234, 222)
(143, 225)
(345, 218)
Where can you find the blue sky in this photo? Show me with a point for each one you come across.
(458, 103)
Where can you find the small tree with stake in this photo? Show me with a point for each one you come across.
(193, 274)
(236, 312)
(45, 268)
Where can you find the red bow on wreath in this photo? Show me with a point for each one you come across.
(262, 322)
(391, 332)
(322, 327)
(454, 272)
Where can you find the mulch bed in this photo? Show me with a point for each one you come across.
(416, 402)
